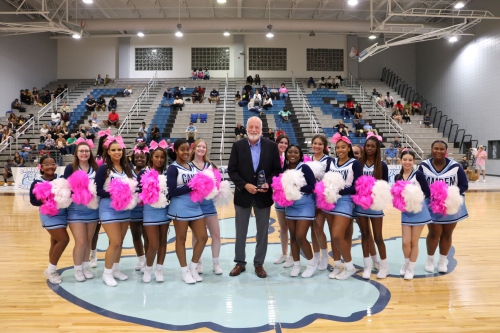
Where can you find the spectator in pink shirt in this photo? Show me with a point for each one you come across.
(481, 157)
(283, 92)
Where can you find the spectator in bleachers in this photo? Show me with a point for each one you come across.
(177, 92)
(237, 97)
(358, 111)
(322, 82)
(45, 97)
(427, 120)
(342, 128)
(168, 94)
(274, 93)
(257, 79)
(379, 100)
(89, 135)
(375, 93)
(21, 121)
(397, 144)
(70, 144)
(389, 101)
(49, 143)
(36, 96)
(65, 120)
(358, 127)
(336, 82)
(416, 107)
(7, 132)
(268, 103)
(311, 82)
(178, 103)
(257, 98)
(13, 121)
(140, 137)
(17, 106)
(344, 112)
(350, 106)
(196, 96)
(283, 92)
(101, 103)
(95, 123)
(264, 91)
(59, 90)
(80, 132)
(30, 96)
(214, 96)
(55, 132)
(170, 145)
(128, 91)
(25, 150)
(143, 130)
(253, 108)
(270, 134)
(65, 108)
(397, 116)
(250, 79)
(391, 155)
(368, 128)
(200, 74)
(55, 118)
(7, 173)
(24, 98)
(113, 119)
(206, 74)
(155, 133)
(202, 92)
(107, 79)
(44, 132)
(98, 80)
(18, 160)
(240, 132)
(191, 132)
(90, 104)
(113, 103)
(284, 114)
(399, 106)
(329, 82)
(279, 132)
(194, 74)
(341, 80)
(406, 116)
(407, 106)
(65, 132)
(465, 164)
(61, 144)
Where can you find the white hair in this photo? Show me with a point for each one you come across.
(255, 118)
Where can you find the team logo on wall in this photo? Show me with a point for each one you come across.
(27, 176)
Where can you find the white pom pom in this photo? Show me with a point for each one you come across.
(225, 194)
(381, 194)
(62, 193)
(414, 198)
(333, 184)
(317, 168)
(132, 184)
(214, 192)
(94, 203)
(292, 181)
(162, 196)
(454, 200)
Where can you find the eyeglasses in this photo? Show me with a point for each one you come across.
(84, 151)
(50, 165)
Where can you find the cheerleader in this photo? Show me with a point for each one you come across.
(200, 162)
(283, 142)
(319, 145)
(82, 219)
(441, 168)
(155, 218)
(114, 222)
(140, 160)
(185, 212)
(412, 223)
(300, 214)
(103, 135)
(371, 161)
(55, 225)
(340, 217)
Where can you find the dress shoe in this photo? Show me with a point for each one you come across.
(259, 270)
(237, 270)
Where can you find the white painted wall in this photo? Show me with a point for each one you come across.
(87, 57)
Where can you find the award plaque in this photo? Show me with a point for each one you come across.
(261, 179)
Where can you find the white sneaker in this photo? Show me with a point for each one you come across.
(367, 273)
(93, 262)
(346, 273)
(383, 272)
(289, 262)
(140, 264)
(376, 265)
(409, 274)
(5, 185)
(146, 278)
(109, 280)
(323, 263)
(402, 270)
(143, 269)
(295, 271)
(336, 271)
(309, 271)
(88, 274)
(159, 275)
(442, 266)
(216, 268)
(119, 275)
(53, 277)
(199, 267)
(79, 276)
(280, 259)
(195, 275)
(484, 180)
(187, 277)
(429, 265)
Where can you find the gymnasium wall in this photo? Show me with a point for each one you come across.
(462, 79)
(26, 61)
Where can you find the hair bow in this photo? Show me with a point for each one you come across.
(337, 137)
(404, 149)
(154, 145)
(138, 150)
(191, 146)
(89, 142)
(110, 139)
(103, 133)
(370, 134)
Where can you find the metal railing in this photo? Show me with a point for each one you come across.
(145, 94)
(221, 151)
(306, 107)
(7, 143)
(53, 104)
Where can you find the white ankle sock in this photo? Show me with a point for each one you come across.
(349, 265)
(375, 258)
(311, 262)
(297, 263)
(384, 263)
(407, 260)
(93, 253)
(149, 268)
(316, 255)
(85, 264)
(108, 271)
(215, 260)
(430, 257)
(159, 267)
(337, 263)
(143, 257)
(52, 268)
(324, 253)
(184, 269)
(78, 267)
(367, 262)
(116, 266)
(442, 258)
(193, 265)
(411, 265)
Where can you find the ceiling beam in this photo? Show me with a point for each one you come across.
(322, 4)
(380, 5)
(212, 9)
(238, 9)
(186, 8)
(158, 6)
(295, 3)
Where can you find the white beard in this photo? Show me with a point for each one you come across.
(255, 137)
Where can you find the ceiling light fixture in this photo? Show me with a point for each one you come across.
(312, 34)
(226, 33)
(76, 36)
(88, 1)
(269, 26)
(140, 34)
(179, 32)
(459, 5)
(352, 2)
(221, 1)
(269, 32)
(372, 36)
(453, 39)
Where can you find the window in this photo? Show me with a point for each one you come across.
(214, 58)
(267, 59)
(331, 60)
(153, 59)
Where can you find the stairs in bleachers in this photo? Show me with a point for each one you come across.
(230, 124)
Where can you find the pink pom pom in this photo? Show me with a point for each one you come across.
(307, 159)
(150, 187)
(201, 186)
(319, 190)
(43, 192)
(282, 161)
(99, 161)
(363, 196)
(79, 184)
(439, 193)
(278, 192)
(120, 194)
(398, 201)
(218, 177)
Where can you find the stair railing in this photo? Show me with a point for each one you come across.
(221, 151)
(306, 107)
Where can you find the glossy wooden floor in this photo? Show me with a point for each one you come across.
(468, 299)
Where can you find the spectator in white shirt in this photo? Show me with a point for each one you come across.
(144, 130)
(257, 98)
(389, 101)
(55, 118)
